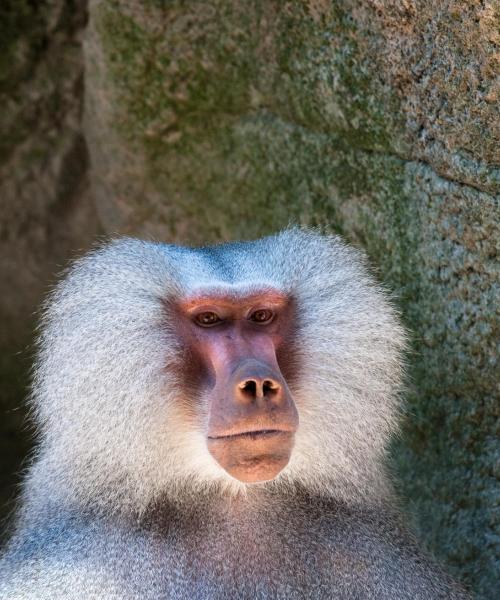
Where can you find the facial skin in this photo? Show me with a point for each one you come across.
(236, 341)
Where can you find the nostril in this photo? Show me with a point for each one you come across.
(270, 387)
(249, 387)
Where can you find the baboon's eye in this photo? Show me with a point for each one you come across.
(262, 316)
(207, 319)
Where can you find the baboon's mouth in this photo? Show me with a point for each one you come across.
(257, 434)
(253, 456)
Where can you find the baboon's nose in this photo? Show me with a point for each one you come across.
(255, 381)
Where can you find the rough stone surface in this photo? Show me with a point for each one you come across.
(46, 212)
(377, 119)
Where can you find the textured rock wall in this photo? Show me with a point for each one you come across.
(46, 213)
(225, 119)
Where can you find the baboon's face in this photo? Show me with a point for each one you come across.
(237, 353)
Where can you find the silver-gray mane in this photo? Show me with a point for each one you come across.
(107, 393)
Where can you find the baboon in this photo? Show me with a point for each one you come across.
(212, 423)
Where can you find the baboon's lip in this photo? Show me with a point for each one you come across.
(252, 434)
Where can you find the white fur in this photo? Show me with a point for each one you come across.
(111, 410)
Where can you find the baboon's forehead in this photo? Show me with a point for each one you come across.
(236, 266)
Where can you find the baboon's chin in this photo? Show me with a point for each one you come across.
(253, 457)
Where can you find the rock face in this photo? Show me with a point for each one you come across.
(46, 212)
(377, 119)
